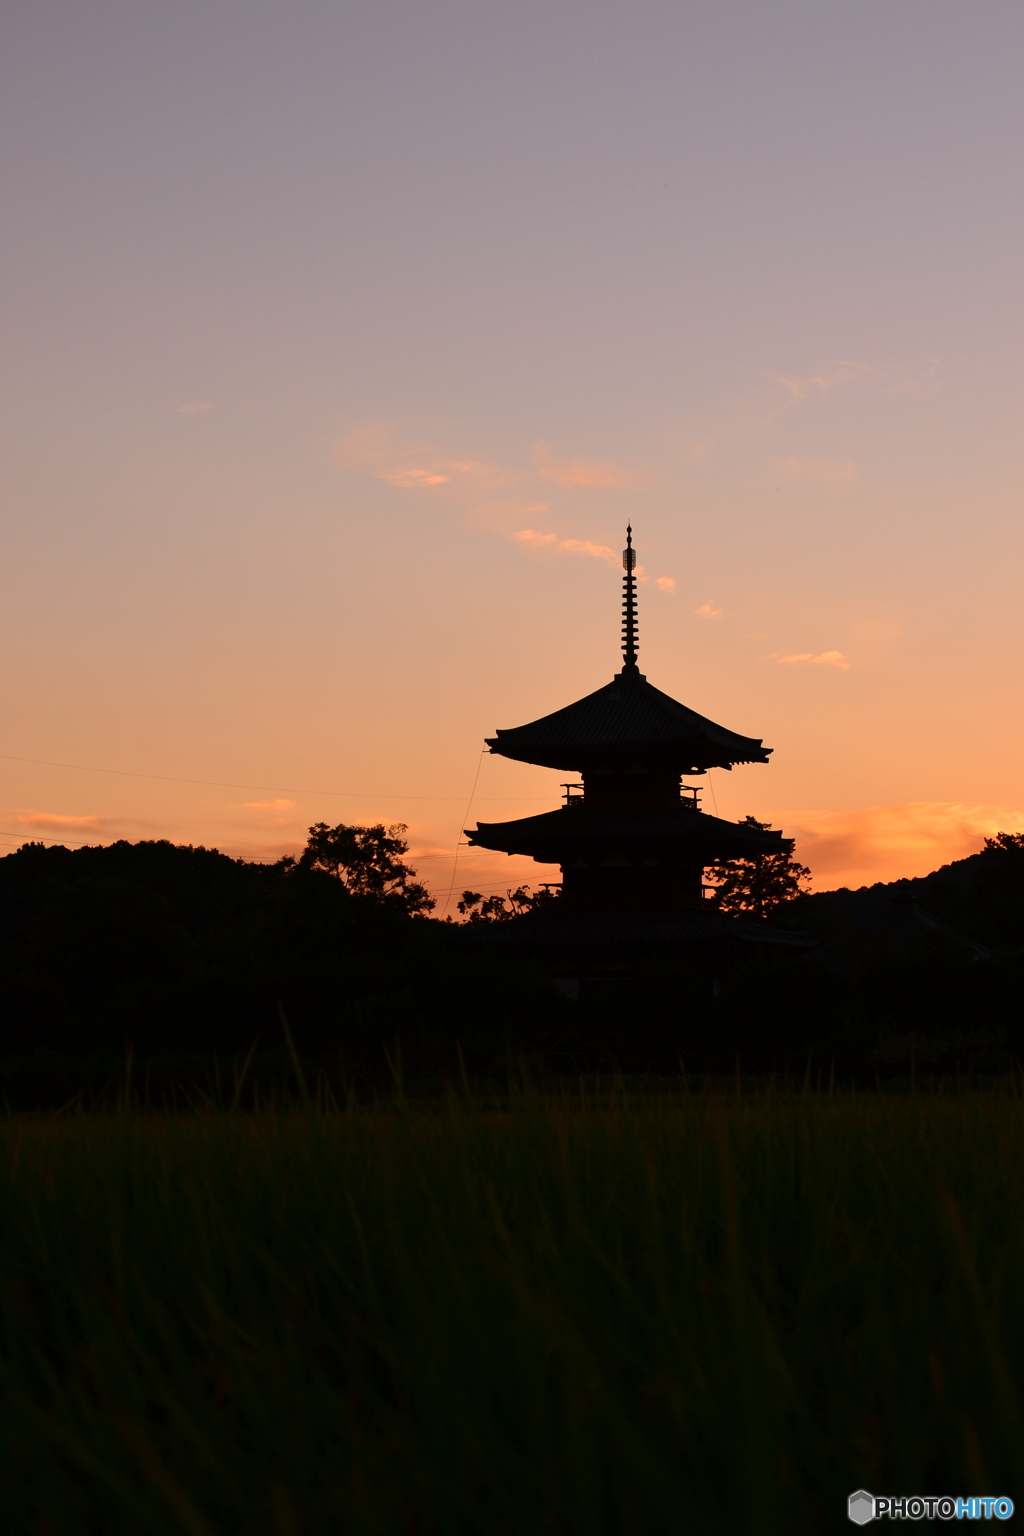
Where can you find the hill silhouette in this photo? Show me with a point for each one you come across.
(183, 948)
(167, 949)
(981, 896)
(923, 975)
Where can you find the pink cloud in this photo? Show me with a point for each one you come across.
(708, 610)
(271, 813)
(411, 478)
(602, 552)
(568, 546)
(832, 376)
(596, 551)
(489, 494)
(577, 472)
(823, 659)
(47, 820)
(844, 372)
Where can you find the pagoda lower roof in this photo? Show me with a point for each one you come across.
(552, 834)
(629, 712)
(548, 929)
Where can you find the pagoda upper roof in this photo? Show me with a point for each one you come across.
(629, 712)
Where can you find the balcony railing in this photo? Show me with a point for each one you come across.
(689, 796)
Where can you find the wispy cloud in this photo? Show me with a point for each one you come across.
(484, 491)
(492, 495)
(412, 477)
(51, 821)
(602, 552)
(194, 407)
(833, 472)
(407, 478)
(708, 610)
(822, 659)
(595, 551)
(891, 842)
(568, 546)
(579, 472)
(832, 376)
(271, 813)
(844, 372)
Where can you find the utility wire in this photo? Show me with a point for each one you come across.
(469, 807)
(280, 789)
(272, 788)
(80, 843)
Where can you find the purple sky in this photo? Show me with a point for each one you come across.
(340, 340)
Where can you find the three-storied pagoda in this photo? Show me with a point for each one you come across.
(631, 838)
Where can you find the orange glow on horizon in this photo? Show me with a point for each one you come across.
(323, 424)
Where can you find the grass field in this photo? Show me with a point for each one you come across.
(568, 1311)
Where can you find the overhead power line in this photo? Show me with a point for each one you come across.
(11, 837)
(79, 842)
(272, 789)
(464, 817)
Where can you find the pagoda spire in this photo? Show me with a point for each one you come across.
(630, 628)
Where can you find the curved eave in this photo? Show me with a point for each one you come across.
(625, 716)
(553, 834)
(693, 756)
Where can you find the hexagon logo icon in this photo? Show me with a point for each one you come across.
(861, 1507)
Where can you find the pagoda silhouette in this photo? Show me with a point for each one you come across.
(630, 837)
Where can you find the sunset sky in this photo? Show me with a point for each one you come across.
(341, 340)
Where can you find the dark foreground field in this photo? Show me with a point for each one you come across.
(559, 1312)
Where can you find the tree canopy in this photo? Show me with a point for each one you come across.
(478, 908)
(758, 884)
(369, 862)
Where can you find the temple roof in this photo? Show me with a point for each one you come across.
(627, 713)
(548, 928)
(899, 923)
(554, 834)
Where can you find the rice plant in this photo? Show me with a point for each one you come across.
(580, 1311)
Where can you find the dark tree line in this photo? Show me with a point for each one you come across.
(369, 861)
(181, 949)
(164, 948)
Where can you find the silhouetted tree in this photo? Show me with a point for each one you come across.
(477, 908)
(1006, 842)
(368, 861)
(758, 884)
(997, 891)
